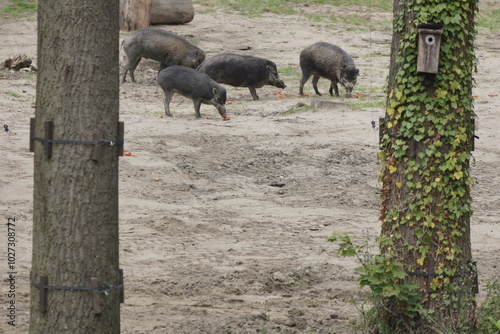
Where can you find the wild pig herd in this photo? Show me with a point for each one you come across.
(185, 71)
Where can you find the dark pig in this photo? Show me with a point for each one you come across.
(330, 62)
(160, 45)
(194, 85)
(242, 71)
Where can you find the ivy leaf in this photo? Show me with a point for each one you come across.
(399, 94)
(394, 103)
(424, 250)
(455, 85)
(418, 138)
(441, 94)
(419, 232)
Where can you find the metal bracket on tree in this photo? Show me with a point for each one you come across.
(431, 275)
(98, 139)
(95, 288)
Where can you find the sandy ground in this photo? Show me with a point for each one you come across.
(223, 223)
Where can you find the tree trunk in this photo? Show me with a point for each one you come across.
(426, 202)
(75, 217)
(135, 14)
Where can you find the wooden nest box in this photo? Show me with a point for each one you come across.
(429, 43)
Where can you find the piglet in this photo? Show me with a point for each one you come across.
(194, 85)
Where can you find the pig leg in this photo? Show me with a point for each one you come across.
(315, 84)
(253, 91)
(129, 66)
(132, 77)
(333, 86)
(166, 102)
(197, 105)
(126, 68)
(303, 81)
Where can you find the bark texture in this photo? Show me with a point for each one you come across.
(135, 14)
(75, 217)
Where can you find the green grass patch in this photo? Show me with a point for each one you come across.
(298, 108)
(363, 103)
(375, 4)
(287, 6)
(489, 20)
(355, 21)
(290, 73)
(374, 55)
(11, 93)
(20, 6)
(250, 6)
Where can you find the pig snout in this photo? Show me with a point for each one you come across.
(197, 58)
(222, 110)
(348, 87)
(280, 84)
(219, 100)
(273, 77)
(349, 79)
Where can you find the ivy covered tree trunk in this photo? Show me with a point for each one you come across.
(426, 149)
(75, 214)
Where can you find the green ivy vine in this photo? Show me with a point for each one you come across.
(429, 193)
(426, 153)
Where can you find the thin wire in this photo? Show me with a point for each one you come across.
(81, 142)
(373, 122)
(104, 289)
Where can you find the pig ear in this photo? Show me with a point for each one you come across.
(357, 71)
